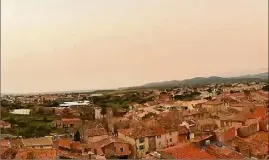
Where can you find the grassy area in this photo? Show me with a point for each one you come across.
(29, 125)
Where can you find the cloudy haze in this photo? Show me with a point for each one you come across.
(57, 45)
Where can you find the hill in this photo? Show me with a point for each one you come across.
(208, 80)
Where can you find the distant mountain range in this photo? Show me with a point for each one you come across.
(208, 80)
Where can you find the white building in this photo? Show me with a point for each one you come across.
(21, 111)
(79, 103)
(98, 114)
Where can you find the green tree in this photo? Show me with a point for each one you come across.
(54, 104)
(208, 98)
(12, 120)
(5, 103)
(103, 111)
(45, 119)
(77, 136)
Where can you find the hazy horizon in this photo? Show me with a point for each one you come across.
(67, 45)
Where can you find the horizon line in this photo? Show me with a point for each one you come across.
(116, 88)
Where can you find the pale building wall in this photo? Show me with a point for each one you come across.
(96, 138)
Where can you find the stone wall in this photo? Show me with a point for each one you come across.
(246, 131)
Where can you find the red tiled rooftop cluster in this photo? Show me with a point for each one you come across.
(259, 112)
(188, 152)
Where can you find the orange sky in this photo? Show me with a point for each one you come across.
(50, 45)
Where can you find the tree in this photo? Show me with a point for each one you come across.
(41, 110)
(77, 136)
(209, 90)
(54, 104)
(103, 111)
(12, 120)
(45, 119)
(208, 98)
(4, 112)
(5, 103)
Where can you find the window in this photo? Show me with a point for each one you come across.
(158, 136)
(121, 149)
(170, 133)
(141, 147)
(170, 139)
(141, 140)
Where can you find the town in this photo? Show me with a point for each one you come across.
(213, 121)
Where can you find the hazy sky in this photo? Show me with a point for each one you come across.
(55, 45)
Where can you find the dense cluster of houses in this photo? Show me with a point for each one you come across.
(230, 126)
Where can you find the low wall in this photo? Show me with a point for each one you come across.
(246, 131)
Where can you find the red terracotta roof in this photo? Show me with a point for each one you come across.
(71, 155)
(67, 144)
(64, 143)
(5, 143)
(259, 112)
(159, 130)
(188, 152)
(37, 153)
(214, 102)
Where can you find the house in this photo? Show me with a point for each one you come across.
(16, 143)
(113, 146)
(194, 114)
(165, 97)
(155, 134)
(21, 111)
(240, 106)
(4, 124)
(206, 125)
(203, 138)
(249, 148)
(259, 96)
(94, 135)
(76, 104)
(68, 145)
(67, 149)
(225, 134)
(37, 143)
(238, 121)
(251, 126)
(165, 138)
(67, 122)
(138, 138)
(214, 106)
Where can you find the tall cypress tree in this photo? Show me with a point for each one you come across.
(77, 136)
